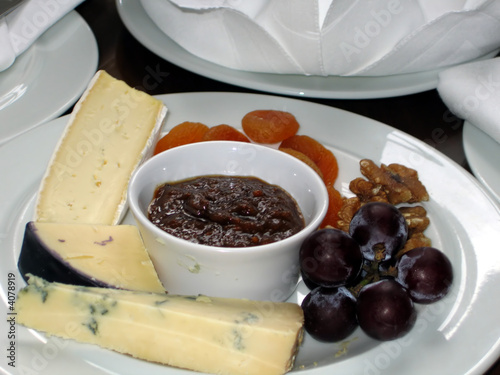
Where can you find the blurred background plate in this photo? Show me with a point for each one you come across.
(48, 78)
(146, 32)
(483, 156)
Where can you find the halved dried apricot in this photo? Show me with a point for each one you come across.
(319, 154)
(334, 205)
(301, 156)
(224, 132)
(269, 126)
(184, 133)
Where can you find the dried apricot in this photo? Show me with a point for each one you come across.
(335, 203)
(303, 157)
(319, 154)
(184, 133)
(224, 132)
(269, 126)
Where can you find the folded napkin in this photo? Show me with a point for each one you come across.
(326, 37)
(472, 92)
(20, 28)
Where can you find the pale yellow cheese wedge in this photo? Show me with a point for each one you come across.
(212, 335)
(111, 130)
(87, 254)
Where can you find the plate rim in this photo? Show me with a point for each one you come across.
(470, 134)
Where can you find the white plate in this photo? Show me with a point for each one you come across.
(483, 156)
(144, 29)
(48, 77)
(464, 224)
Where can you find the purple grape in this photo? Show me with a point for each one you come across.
(427, 274)
(385, 310)
(329, 313)
(330, 258)
(380, 230)
(310, 285)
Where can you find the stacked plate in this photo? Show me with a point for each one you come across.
(48, 78)
(147, 32)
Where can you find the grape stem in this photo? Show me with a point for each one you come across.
(372, 274)
(379, 251)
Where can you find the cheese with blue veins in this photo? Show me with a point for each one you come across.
(111, 256)
(112, 129)
(212, 335)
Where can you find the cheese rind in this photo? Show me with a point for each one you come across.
(214, 335)
(89, 255)
(111, 130)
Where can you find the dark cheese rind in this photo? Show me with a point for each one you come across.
(110, 256)
(38, 259)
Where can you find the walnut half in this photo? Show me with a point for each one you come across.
(400, 183)
(417, 221)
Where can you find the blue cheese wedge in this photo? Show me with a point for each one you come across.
(111, 130)
(210, 335)
(110, 256)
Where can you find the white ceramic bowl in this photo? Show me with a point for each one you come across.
(268, 272)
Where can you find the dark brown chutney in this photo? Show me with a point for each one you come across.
(225, 211)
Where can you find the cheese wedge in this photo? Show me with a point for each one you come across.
(111, 130)
(91, 255)
(212, 335)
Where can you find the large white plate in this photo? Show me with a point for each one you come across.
(48, 77)
(465, 222)
(146, 32)
(483, 155)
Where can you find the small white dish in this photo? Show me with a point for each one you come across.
(48, 77)
(146, 32)
(483, 155)
(267, 272)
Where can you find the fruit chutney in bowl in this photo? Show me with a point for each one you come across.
(227, 219)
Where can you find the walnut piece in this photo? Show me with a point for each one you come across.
(416, 218)
(417, 221)
(400, 183)
(367, 191)
(347, 211)
(415, 240)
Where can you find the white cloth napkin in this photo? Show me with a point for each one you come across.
(20, 28)
(472, 92)
(331, 37)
